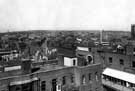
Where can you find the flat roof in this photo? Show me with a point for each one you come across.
(125, 76)
(49, 67)
(44, 68)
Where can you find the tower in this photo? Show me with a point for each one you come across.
(133, 31)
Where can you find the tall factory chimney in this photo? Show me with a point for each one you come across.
(133, 31)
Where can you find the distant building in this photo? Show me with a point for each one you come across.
(133, 31)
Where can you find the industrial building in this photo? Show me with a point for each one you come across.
(118, 66)
(67, 74)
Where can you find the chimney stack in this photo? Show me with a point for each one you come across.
(129, 49)
(26, 66)
(60, 59)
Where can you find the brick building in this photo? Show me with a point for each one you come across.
(118, 68)
(52, 77)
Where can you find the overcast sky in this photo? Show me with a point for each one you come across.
(66, 14)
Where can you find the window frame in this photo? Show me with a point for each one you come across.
(133, 64)
(110, 60)
(43, 85)
(64, 80)
(90, 76)
(83, 79)
(121, 61)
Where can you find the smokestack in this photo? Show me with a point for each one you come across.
(101, 37)
(60, 59)
(133, 31)
(26, 66)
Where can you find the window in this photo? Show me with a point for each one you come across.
(96, 89)
(110, 59)
(25, 87)
(103, 57)
(59, 87)
(89, 49)
(117, 81)
(133, 64)
(121, 62)
(64, 80)
(83, 79)
(132, 85)
(90, 60)
(18, 89)
(72, 79)
(74, 62)
(96, 75)
(89, 76)
(43, 86)
(133, 49)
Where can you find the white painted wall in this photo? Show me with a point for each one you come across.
(69, 61)
(59, 87)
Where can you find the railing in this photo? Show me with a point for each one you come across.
(116, 86)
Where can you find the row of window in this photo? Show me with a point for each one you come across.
(43, 83)
(24, 87)
(64, 79)
(54, 82)
(27, 87)
(118, 81)
(89, 77)
(121, 62)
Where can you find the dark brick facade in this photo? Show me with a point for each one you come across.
(14, 83)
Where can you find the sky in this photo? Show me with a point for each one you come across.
(16, 15)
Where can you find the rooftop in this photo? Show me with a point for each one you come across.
(66, 52)
(83, 48)
(43, 68)
(49, 67)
